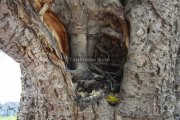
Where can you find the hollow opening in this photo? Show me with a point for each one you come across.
(109, 57)
(10, 86)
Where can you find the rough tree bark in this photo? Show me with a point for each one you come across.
(150, 87)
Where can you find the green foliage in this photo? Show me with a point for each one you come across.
(8, 118)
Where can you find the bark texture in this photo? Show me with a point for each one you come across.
(149, 77)
(150, 88)
(177, 87)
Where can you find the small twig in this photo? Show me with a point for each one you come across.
(87, 83)
(99, 48)
(93, 67)
(104, 73)
(112, 33)
(112, 73)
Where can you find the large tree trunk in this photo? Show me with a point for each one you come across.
(149, 73)
(150, 87)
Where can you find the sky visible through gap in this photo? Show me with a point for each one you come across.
(10, 83)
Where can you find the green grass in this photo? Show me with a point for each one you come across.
(8, 118)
